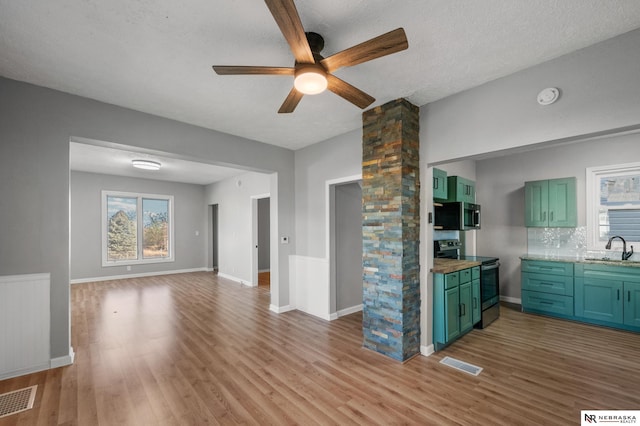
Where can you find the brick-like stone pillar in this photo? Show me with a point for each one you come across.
(391, 229)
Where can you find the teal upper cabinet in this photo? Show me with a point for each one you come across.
(551, 203)
(439, 184)
(461, 189)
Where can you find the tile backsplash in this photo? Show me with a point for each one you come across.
(566, 242)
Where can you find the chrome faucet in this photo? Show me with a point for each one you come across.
(625, 254)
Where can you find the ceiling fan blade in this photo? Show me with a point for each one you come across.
(287, 18)
(289, 104)
(385, 44)
(349, 92)
(234, 70)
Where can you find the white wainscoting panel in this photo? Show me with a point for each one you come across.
(310, 276)
(24, 324)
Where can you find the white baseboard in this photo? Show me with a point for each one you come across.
(281, 309)
(63, 360)
(53, 363)
(143, 274)
(427, 350)
(350, 310)
(236, 279)
(508, 299)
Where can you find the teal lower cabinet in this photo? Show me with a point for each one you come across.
(547, 303)
(547, 288)
(608, 295)
(601, 294)
(599, 299)
(476, 303)
(632, 304)
(456, 307)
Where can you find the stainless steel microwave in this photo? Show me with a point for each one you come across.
(456, 216)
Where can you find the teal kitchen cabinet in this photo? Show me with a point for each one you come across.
(547, 288)
(608, 295)
(551, 203)
(439, 184)
(456, 305)
(476, 308)
(461, 189)
(605, 294)
(599, 299)
(632, 304)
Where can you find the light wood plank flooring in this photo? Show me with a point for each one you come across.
(194, 349)
(264, 278)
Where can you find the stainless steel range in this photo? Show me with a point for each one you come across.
(489, 278)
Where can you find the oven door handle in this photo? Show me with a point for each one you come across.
(490, 266)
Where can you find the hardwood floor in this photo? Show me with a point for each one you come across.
(195, 349)
(264, 278)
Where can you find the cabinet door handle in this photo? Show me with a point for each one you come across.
(435, 183)
(550, 216)
(618, 294)
(544, 302)
(629, 296)
(545, 283)
(475, 302)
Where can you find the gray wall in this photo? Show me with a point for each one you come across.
(502, 197)
(335, 158)
(348, 241)
(264, 244)
(36, 125)
(234, 221)
(190, 215)
(599, 92)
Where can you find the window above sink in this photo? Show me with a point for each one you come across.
(613, 207)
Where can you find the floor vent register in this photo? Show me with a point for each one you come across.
(17, 401)
(461, 365)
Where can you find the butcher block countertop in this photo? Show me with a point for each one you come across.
(446, 266)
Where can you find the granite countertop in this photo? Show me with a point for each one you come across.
(446, 266)
(574, 259)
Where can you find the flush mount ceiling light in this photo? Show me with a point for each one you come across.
(146, 164)
(310, 79)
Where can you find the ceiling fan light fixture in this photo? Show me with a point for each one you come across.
(310, 79)
(146, 164)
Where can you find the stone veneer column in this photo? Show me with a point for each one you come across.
(391, 229)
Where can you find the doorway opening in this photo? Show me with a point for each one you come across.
(261, 240)
(213, 241)
(345, 246)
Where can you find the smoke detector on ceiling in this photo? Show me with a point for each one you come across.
(548, 96)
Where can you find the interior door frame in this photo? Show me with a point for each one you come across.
(330, 243)
(254, 236)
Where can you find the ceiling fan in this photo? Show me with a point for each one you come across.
(312, 72)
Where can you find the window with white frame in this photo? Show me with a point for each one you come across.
(136, 228)
(613, 205)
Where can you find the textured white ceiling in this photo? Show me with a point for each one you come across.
(90, 158)
(156, 55)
